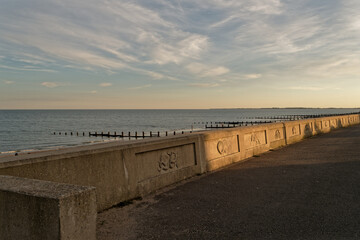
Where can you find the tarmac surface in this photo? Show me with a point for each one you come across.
(308, 190)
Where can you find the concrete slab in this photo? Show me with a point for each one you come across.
(34, 209)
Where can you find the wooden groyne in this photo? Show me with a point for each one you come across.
(123, 134)
(235, 124)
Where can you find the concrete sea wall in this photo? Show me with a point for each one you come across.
(118, 171)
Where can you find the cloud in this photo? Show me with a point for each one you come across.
(341, 68)
(252, 76)
(223, 21)
(306, 88)
(93, 92)
(105, 84)
(50, 84)
(254, 6)
(8, 82)
(203, 70)
(269, 38)
(111, 36)
(141, 87)
(217, 71)
(196, 68)
(266, 6)
(27, 68)
(190, 41)
(156, 75)
(189, 47)
(310, 88)
(204, 85)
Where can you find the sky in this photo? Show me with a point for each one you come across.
(158, 54)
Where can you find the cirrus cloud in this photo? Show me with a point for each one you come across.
(252, 76)
(141, 87)
(206, 71)
(204, 85)
(105, 84)
(50, 84)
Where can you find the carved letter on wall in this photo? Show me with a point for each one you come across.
(255, 139)
(173, 161)
(221, 147)
(277, 134)
(294, 131)
(333, 123)
(167, 161)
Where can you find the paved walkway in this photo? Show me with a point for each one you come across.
(309, 190)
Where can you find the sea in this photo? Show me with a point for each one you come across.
(33, 130)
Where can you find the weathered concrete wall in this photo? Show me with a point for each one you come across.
(224, 147)
(33, 209)
(221, 148)
(164, 162)
(118, 171)
(298, 130)
(228, 146)
(254, 140)
(276, 135)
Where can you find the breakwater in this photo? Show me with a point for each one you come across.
(70, 183)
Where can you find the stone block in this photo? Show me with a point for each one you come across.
(35, 209)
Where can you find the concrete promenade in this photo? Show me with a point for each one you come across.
(308, 190)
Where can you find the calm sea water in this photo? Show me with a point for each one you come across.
(33, 129)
